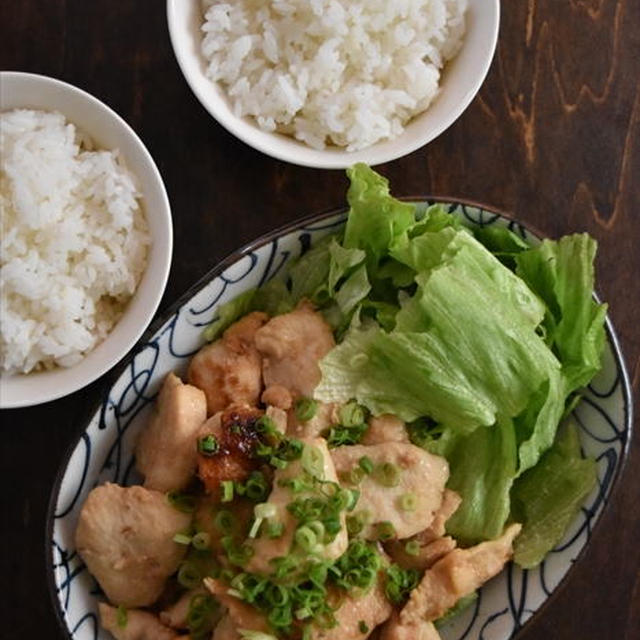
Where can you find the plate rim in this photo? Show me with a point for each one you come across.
(111, 377)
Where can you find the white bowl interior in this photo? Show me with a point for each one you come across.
(461, 80)
(104, 452)
(109, 131)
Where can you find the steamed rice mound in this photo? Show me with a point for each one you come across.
(74, 242)
(343, 72)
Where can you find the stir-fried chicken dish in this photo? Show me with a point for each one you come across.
(266, 514)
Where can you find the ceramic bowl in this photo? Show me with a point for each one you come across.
(108, 131)
(460, 82)
(104, 448)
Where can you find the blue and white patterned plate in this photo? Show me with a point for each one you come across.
(104, 449)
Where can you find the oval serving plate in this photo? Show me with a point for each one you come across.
(104, 449)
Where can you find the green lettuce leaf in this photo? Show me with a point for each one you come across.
(562, 274)
(547, 498)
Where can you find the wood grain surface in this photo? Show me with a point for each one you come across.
(553, 137)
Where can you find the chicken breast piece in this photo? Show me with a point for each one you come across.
(139, 625)
(450, 503)
(236, 437)
(326, 416)
(421, 476)
(125, 536)
(230, 369)
(385, 428)
(291, 346)
(394, 630)
(277, 396)
(458, 574)
(166, 451)
(226, 630)
(241, 614)
(371, 608)
(266, 549)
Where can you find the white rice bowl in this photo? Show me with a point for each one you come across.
(74, 241)
(348, 73)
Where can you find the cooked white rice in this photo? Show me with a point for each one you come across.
(342, 72)
(74, 241)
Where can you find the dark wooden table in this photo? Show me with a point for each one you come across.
(553, 136)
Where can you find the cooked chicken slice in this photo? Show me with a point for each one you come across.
(420, 480)
(458, 574)
(204, 519)
(166, 451)
(229, 370)
(236, 437)
(428, 554)
(175, 615)
(226, 630)
(125, 536)
(279, 417)
(371, 608)
(139, 625)
(432, 543)
(266, 549)
(277, 396)
(291, 346)
(385, 428)
(450, 503)
(241, 614)
(393, 630)
(326, 416)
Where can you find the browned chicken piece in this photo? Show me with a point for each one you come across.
(236, 437)
(418, 476)
(450, 503)
(230, 369)
(458, 574)
(277, 396)
(125, 536)
(175, 615)
(226, 630)
(432, 543)
(166, 451)
(291, 346)
(372, 608)
(428, 554)
(393, 630)
(242, 615)
(326, 416)
(385, 428)
(140, 625)
(265, 549)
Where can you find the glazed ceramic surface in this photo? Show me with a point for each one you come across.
(104, 450)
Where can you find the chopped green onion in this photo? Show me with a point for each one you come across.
(408, 502)
(266, 425)
(200, 616)
(265, 510)
(306, 538)
(224, 521)
(400, 583)
(366, 464)
(355, 525)
(256, 487)
(313, 461)
(356, 475)
(276, 463)
(339, 435)
(188, 575)
(412, 548)
(227, 490)
(351, 415)
(208, 445)
(303, 613)
(182, 538)
(201, 541)
(121, 616)
(387, 474)
(363, 627)
(305, 408)
(385, 530)
(246, 634)
(182, 501)
(255, 527)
